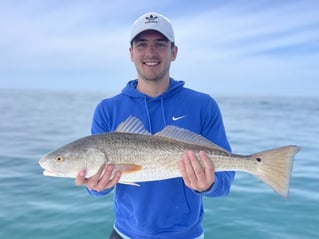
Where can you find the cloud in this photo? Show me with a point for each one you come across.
(240, 42)
(253, 29)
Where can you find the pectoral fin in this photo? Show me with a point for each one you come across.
(127, 168)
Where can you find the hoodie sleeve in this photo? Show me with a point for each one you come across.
(213, 129)
(100, 120)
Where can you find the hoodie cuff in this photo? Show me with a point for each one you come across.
(212, 188)
(98, 194)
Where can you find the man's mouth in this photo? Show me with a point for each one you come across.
(151, 63)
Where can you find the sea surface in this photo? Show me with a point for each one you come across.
(34, 122)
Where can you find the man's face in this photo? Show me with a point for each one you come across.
(152, 54)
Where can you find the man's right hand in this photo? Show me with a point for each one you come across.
(105, 178)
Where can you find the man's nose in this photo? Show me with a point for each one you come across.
(151, 50)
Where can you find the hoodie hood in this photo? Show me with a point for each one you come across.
(149, 102)
(131, 91)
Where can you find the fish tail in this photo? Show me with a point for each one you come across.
(275, 167)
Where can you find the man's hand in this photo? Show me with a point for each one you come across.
(105, 178)
(197, 171)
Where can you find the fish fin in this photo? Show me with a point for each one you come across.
(127, 168)
(129, 183)
(275, 166)
(132, 125)
(174, 132)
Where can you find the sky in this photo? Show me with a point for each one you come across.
(239, 47)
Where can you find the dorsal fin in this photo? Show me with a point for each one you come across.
(181, 134)
(132, 125)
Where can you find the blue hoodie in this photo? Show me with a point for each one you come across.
(166, 208)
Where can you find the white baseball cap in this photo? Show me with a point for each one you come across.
(153, 21)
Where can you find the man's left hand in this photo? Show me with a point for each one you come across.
(197, 171)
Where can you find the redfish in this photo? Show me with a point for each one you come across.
(144, 157)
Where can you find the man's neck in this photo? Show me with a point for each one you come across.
(152, 88)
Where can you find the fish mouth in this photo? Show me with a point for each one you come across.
(51, 173)
(46, 171)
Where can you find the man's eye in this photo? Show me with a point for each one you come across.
(160, 45)
(141, 45)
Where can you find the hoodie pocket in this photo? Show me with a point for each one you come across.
(183, 210)
(154, 207)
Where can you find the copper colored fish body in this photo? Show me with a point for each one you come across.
(144, 157)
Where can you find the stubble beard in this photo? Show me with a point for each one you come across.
(152, 77)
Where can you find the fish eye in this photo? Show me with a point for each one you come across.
(59, 159)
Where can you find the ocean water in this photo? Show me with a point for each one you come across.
(33, 122)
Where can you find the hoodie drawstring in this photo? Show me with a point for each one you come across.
(163, 111)
(149, 115)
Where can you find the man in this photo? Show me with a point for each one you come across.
(168, 208)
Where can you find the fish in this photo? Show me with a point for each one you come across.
(143, 157)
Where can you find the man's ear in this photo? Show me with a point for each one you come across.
(174, 51)
(131, 53)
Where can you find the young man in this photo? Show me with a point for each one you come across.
(168, 208)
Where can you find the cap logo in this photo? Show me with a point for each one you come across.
(151, 19)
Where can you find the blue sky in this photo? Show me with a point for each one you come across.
(225, 47)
